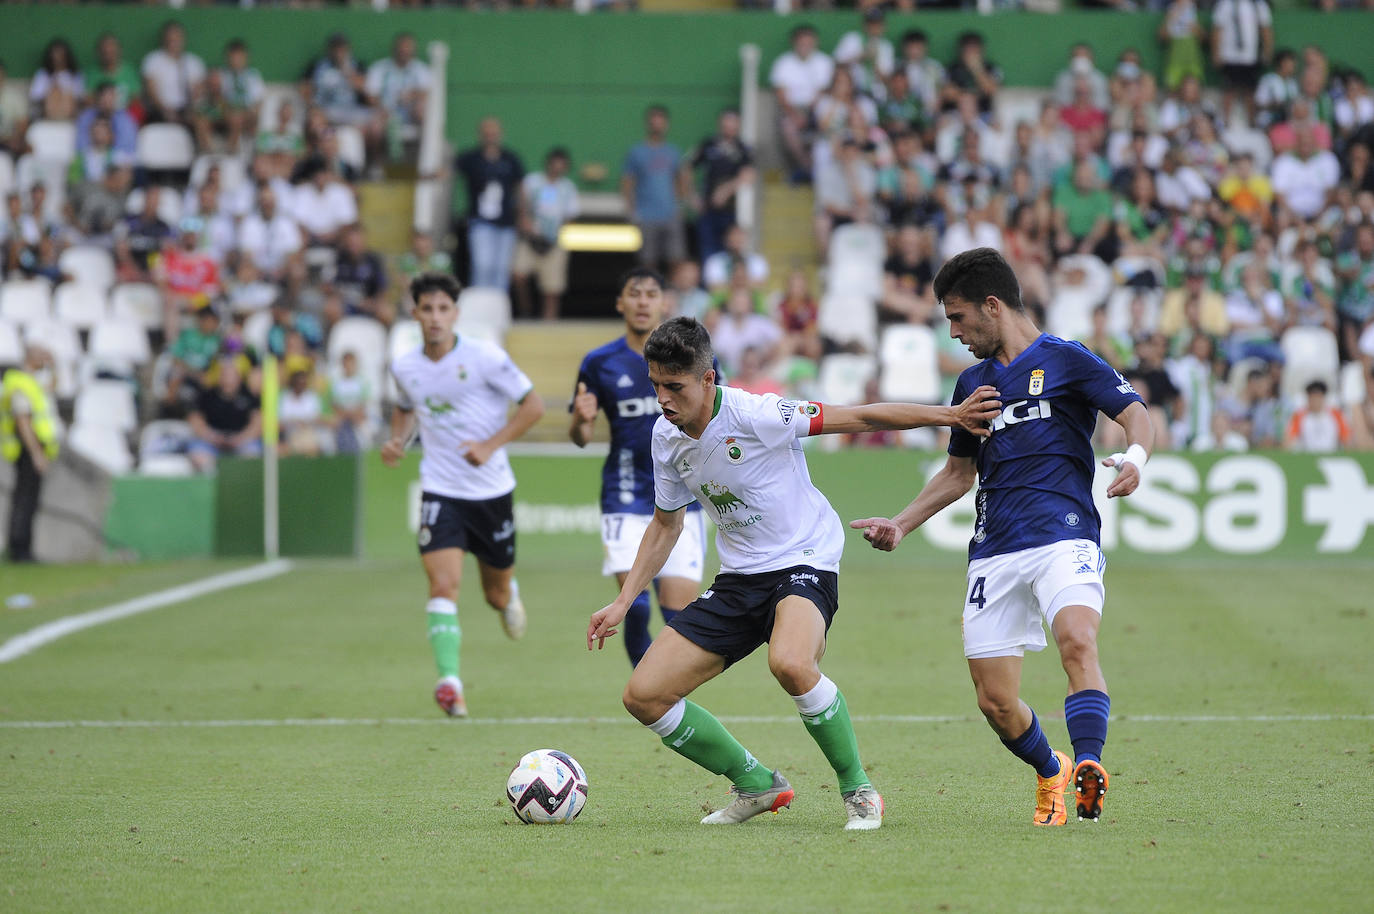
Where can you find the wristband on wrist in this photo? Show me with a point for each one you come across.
(1134, 455)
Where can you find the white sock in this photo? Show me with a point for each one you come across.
(821, 697)
(442, 607)
(514, 593)
(669, 722)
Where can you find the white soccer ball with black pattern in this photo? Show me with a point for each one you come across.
(547, 786)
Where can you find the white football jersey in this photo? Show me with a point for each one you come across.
(464, 396)
(749, 474)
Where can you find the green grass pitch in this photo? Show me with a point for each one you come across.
(350, 793)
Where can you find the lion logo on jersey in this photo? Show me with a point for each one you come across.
(724, 500)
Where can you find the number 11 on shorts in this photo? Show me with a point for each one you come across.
(975, 594)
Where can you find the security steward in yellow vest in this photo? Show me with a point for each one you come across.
(28, 439)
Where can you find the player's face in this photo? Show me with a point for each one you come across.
(437, 313)
(683, 397)
(641, 304)
(972, 326)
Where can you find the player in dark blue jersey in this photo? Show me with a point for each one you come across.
(1034, 554)
(615, 378)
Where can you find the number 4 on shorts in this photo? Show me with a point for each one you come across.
(975, 594)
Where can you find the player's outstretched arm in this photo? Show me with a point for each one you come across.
(402, 425)
(584, 407)
(1140, 438)
(529, 411)
(944, 489)
(981, 407)
(659, 539)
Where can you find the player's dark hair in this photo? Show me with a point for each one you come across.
(435, 282)
(976, 274)
(634, 273)
(680, 346)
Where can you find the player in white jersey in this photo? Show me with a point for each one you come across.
(739, 456)
(460, 390)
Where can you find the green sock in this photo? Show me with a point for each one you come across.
(704, 740)
(829, 725)
(444, 635)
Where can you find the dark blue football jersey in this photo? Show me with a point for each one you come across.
(619, 377)
(1035, 472)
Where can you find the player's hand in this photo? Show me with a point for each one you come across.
(603, 624)
(393, 451)
(477, 452)
(981, 407)
(1127, 477)
(883, 533)
(584, 403)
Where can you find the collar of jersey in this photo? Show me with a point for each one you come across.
(720, 395)
(1024, 352)
(456, 340)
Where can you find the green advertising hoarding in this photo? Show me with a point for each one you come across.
(1189, 506)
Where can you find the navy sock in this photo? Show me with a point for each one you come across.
(635, 628)
(1034, 749)
(1086, 714)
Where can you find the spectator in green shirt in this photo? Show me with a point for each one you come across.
(192, 354)
(1083, 215)
(111, 67)
(1355, 307)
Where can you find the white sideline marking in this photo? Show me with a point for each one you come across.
(34, 638)
(568, 721)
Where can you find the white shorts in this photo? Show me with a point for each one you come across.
(1009, 595)
(621, 533)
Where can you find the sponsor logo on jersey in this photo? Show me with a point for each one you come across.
(1071, 519)
(787, 409)
(721, 498)
(634, 407)
(1021, 411)
(733, 453)
(624, 381)
(1125, 386)
(802, 577)
(438, 407)
(1037, 382)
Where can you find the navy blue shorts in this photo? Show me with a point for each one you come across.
(735, 615)
(485, 528)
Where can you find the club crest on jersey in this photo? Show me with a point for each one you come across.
(810, 410)
(462, 373)
(1037, 382)
(733, 453)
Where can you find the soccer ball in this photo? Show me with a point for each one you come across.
(547, 786)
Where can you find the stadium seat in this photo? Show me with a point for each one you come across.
(1119, 308)
(168, 205)
(88, 264)
(137, 301)
(80, 305)
(858, 242)
(909, 365)
(1354, 388)
(352, 150)
(61, 340)
(106, 403)
(846, 319)
(1240, 139)
(1309, 354)
(163, 436)
(484, 314)
(232, 172)
(166, 465)
(24, 301)
(52, 174)
(6, 173)
(119, 343)
(404, 337)
(844, 377)
(52, 141)
(367, 338)
(11, 347)
(256, 326)
(103, 445)
(165, 147)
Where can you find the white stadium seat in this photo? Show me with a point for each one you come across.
(11, 347)
(163, 436)
(1309, 354)
(119, 343)
(6, 173)
(484, 314)
(102, 445)
(1354, 385)
(232, 172)
(168, 205)
(80, 305)
(137, 301)
(88, 264)
(857, 241)
(23, 301)
(62, 341)
(404, 337)
(848, 319)
(844, 377)
(52, 141)
(352, 149)
(909, 364)
(165, 147)
(106, 403)
(166, 465)
(256, 326)
(365, 337)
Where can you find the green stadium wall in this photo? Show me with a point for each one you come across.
(584, 81)
(160, 518)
